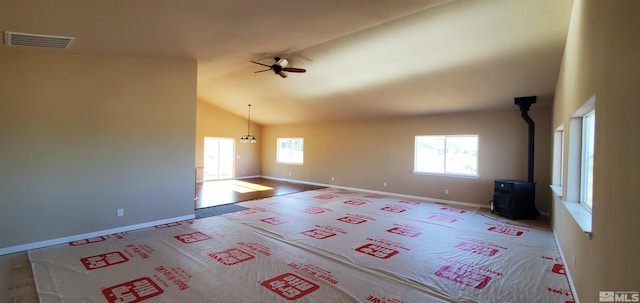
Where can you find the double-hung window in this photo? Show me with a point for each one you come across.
(447, 155)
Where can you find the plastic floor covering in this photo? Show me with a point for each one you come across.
(327, 245)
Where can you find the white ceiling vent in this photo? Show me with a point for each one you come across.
(36, 40)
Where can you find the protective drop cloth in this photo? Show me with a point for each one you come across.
(328, 245)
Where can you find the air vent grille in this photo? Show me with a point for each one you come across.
(37, 40)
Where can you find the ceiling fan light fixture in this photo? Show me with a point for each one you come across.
(282, 63)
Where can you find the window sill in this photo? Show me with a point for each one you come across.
(290, 163)
(580, 214)
(557, 189)
(446, 175)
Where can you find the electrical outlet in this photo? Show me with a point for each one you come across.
(446, 191)
(333, 179)
(120, 212)
(289, 174)
(384, 184)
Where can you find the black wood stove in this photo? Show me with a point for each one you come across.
(516, 199)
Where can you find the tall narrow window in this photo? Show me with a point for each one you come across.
(451, 155)
(588, 140)
(290, 150)
(557, 176)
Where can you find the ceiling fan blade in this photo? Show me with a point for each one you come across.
(260, 63)
(282, 74)
(264, 70)
(294, 69)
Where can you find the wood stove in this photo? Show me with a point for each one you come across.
(516, 199)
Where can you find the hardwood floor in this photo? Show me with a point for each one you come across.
(213, 193)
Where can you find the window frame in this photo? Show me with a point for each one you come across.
(444, 164)
(586, 159)
(580, 212)
(290, 160)
(557, 178)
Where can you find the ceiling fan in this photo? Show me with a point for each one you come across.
(280, 67)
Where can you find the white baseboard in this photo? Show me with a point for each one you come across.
(40, 244)
(248, 177)
(236, 178)
(566, 269)
(426, 199)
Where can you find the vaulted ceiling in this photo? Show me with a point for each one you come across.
(364, 58)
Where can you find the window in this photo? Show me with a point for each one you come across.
(558, 161)
(588, 139)
(578, 198)
(218, 158)
(290, 150)
(450, 155)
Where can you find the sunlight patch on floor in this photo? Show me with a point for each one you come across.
(246, 187)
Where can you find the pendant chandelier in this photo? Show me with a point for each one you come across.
(248, 137)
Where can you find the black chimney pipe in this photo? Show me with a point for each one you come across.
(525, 103)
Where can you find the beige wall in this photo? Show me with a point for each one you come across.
(365, 154)
(213, 121)
(84, 135)
(602, 58)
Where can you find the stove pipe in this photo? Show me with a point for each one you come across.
(525, 103)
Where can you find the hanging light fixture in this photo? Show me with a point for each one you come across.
(248, 137)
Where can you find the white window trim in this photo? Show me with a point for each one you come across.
(558, 161)
(584, 163)
(445, 175)
(580, 214)
(453, 175)
(571, 200)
